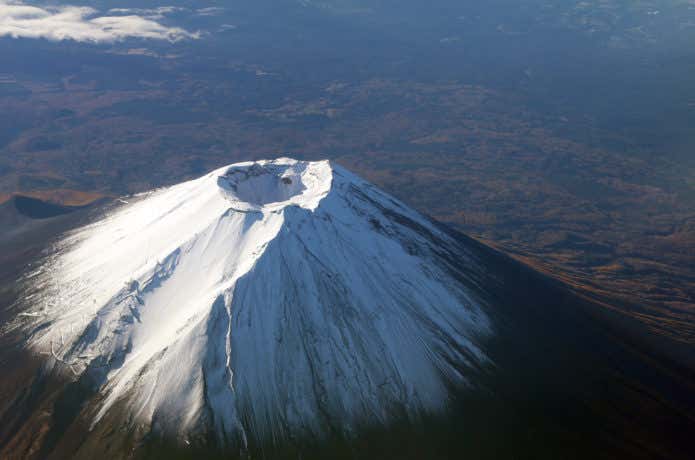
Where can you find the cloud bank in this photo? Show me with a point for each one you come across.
(83, 24)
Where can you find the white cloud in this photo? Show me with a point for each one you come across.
(149, 13)
(209, 11)
(83, 24)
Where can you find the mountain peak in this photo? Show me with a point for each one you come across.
(274, 184)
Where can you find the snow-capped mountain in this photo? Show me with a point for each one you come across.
(286, 309)
(265, 299)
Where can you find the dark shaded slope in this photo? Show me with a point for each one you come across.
(34, 208)
(574, 380)
(23, 212)
(10, 217)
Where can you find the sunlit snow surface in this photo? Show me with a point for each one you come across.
(265, 299)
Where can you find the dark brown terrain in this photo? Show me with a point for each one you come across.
(552, 191)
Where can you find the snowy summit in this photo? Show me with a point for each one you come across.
(263, 300)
